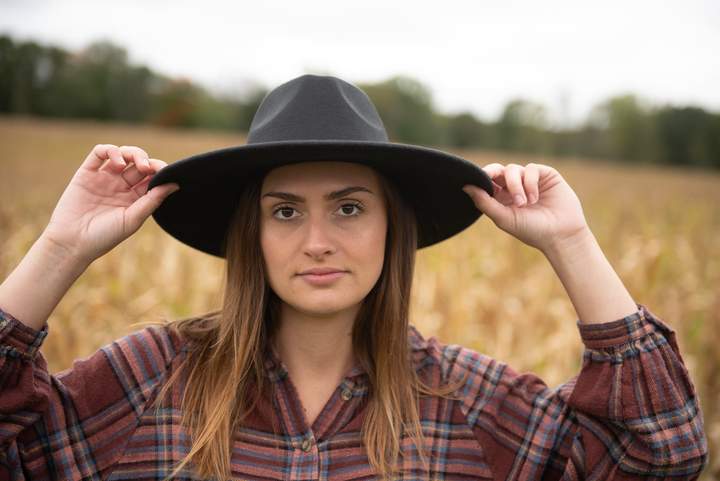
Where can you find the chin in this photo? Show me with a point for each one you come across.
(322, 305)
(322, 308)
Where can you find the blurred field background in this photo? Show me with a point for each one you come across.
(658, 226)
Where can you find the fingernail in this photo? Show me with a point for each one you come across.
(519, 199)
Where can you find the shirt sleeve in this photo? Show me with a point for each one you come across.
(631, 412)
(74, 424)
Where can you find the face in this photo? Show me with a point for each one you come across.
(322, 215)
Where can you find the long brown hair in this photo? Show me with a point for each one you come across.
(225, 367)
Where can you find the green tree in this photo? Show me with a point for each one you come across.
(247, 107)
(98, 82)
(688, 135)
(406, 107)
(105, 86)
(465, 130)
(523, 127)
(630, 133)
(176, 103)
(21, 62)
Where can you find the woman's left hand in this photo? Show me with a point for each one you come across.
(548, 212)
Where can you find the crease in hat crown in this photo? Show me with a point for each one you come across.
(316, 107)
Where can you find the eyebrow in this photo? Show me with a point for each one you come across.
(329, 196)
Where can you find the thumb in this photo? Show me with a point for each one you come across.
(489, 206)
(146, 204)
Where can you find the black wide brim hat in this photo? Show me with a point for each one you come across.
(315, 118)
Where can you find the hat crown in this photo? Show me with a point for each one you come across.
(316, 107)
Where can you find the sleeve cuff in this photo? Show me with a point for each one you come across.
(622, 331)
(18, 339)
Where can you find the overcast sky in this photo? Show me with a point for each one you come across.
(473, 55)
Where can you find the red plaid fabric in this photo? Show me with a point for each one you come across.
(631, 413)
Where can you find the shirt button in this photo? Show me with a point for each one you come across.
(346, 394)
(306, 444)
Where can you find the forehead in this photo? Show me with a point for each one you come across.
(319, 175)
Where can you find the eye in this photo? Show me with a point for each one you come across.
(283, 208)
(344, 208)
(350, 205)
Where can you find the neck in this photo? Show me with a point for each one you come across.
(314, 347)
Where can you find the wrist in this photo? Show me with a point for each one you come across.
(593, 286)
(60, 254)
(38, 283)
(574, 246)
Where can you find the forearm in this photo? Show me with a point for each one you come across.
(34, 288)
(594, 288)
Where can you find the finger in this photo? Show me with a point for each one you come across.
(146, 204)
(137, 156)
(514, 181)
(530, 182)
(132, 175)
(116, 162)
(493, 168)
(141, 184)
(141, 187)
(547, 172)
(500, 214)
(495, 172)
(157, 164)
(97, 157)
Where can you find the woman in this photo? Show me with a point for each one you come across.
(311, 369)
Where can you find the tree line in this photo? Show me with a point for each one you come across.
(99, 82)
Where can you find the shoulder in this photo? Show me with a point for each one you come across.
(487, 384)
(122, 374)
(451, 361)
(158, 341)
(143, 355)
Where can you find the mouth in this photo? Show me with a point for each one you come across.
(319, 271)
(322, 278)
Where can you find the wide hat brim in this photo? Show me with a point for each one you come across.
(211, 182)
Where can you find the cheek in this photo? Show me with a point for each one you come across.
(372, 242)
(272, 249)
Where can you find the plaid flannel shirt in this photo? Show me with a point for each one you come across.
(631, 413)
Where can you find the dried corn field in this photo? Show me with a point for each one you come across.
(660, 229)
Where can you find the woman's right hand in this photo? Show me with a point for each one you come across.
(106, 201)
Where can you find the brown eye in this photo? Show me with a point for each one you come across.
(348, 209)
(285, 209)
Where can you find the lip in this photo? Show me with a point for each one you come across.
(321, 279)
(321, 270)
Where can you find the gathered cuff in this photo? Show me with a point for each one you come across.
(19, 340)
(622, 331)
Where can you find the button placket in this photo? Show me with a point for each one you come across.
(306, 445)
(305, 463)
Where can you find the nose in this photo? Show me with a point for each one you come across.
(318, 241)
